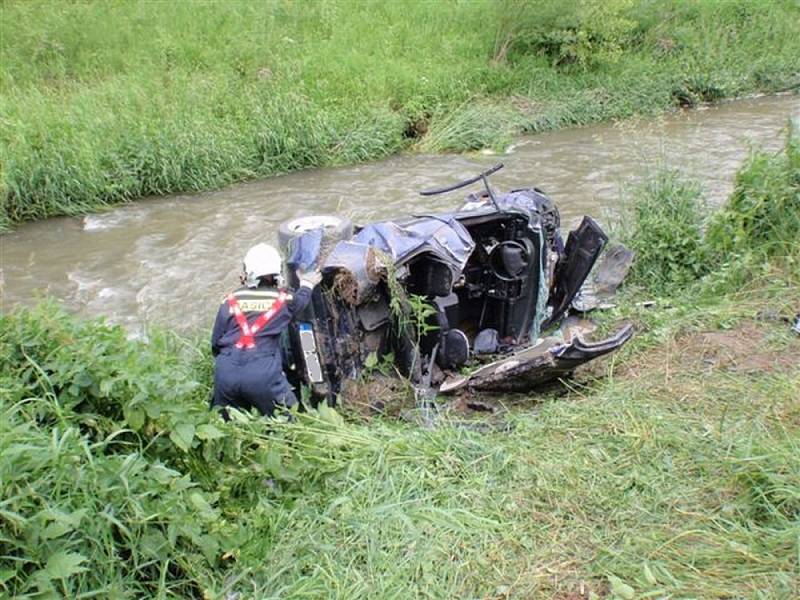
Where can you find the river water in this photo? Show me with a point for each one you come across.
(169, 260)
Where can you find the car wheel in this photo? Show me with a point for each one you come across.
(335, 228)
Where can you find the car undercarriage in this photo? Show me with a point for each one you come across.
(477, 299)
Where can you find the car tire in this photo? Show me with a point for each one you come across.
(335, 229)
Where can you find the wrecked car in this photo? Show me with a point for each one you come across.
(481, 298)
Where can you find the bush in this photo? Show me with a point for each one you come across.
(662, 223)
(82, 516)
(587, 33)
(115, 478)
(763, 213)
(96, 435)
(95, 503)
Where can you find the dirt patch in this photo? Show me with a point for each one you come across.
(743, 350)
(749, 347)
(346, 287)
(376, 395)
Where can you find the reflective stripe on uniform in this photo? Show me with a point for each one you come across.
(247, 338)
(256, 293)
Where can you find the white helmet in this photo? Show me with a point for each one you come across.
(261, 260)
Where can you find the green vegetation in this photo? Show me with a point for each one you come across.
(666, 215)
(675, 473)
(677, 241)
(105, 102)
(764, 211)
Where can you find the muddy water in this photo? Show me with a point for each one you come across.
(169, 260)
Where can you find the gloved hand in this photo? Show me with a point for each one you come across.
(311, 278)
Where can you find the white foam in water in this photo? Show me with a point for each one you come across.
(97, 222)
(118, 218)
(83, 283)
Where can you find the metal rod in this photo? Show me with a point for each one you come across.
(490, 192)
(465, 183)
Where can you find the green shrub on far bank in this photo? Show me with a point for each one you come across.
(584, 33)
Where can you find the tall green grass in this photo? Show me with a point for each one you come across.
(664, 477)
(104, 102)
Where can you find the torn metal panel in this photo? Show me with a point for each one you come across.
(549, 359)
(605, 279)
(583, 248)
(442, 236)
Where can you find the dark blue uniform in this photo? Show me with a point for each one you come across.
(253, 377)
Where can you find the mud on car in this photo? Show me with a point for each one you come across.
(481, 298)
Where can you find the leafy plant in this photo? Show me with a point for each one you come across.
(375, 364)
(763, 213)
(583, 33)
(112, 467)
(662, 222)
(421, 311)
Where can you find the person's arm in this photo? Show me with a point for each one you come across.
(302, 296)
(218, 331)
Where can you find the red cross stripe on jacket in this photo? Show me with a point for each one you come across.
(247, 339)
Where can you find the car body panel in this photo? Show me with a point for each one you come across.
(544, 361)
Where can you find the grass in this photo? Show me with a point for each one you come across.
(671, 482)
(672, 471)
(106, 102)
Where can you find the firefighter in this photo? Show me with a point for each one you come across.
(245, 342)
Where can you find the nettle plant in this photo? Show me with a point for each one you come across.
(412, 315)
(112, 468)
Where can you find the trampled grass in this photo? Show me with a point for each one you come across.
(104, 102)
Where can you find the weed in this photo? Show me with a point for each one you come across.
(678, 242)
(763, 214)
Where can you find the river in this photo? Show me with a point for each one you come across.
(169, 260)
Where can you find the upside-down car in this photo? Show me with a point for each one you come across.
(499, 286)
